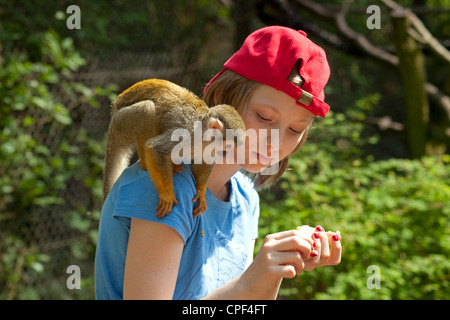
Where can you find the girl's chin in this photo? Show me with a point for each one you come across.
(255, 168)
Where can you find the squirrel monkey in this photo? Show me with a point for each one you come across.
(144, 117)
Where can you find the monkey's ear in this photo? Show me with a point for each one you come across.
(215, 123)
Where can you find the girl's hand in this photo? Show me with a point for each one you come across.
(328, 249)
(286, 254)
(282, 255)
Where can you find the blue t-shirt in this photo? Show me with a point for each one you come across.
(216, 243)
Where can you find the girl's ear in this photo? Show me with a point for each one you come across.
(215, 123)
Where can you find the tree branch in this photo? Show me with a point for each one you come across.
(425, 36)
(385, 123)
(360, 40)
(439, 98)
(351, 41)
(289, 17)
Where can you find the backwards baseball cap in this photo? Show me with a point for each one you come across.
(268, 55)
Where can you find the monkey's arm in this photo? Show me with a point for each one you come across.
(201, 174)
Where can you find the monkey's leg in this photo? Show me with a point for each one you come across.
(201, 174)
(159, 164)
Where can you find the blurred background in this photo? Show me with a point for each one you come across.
(376, 168)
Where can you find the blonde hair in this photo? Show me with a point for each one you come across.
(235, 90)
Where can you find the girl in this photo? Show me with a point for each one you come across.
(276, 82)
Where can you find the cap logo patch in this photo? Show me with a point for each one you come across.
(305, 98)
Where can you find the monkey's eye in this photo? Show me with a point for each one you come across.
(223, 153)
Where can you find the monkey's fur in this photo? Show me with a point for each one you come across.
(144, 117)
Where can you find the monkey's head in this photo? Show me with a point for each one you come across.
(226, 124)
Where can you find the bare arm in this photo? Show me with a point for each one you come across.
(154, 254)
(153, 257)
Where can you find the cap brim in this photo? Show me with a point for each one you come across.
(316, 107)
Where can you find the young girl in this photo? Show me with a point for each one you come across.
(276, 82)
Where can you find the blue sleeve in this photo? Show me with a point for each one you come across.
(255, 215)
(139, 199)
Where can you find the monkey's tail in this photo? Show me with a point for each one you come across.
(117, 159)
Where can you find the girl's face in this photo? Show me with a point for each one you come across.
(271, 113)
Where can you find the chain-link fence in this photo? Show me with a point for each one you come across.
(36, 250)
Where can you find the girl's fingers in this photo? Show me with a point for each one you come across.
(286, 234)
(329, 235)
(291, 263)
(336, 250)
(293, 243)
(292, 251)
(281, 235)
(286, 271)
(317, 246)
(284, 264)
(325, 247)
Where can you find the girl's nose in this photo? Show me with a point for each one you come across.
(272, 142)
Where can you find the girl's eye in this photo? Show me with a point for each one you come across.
(262, 118)
(295, 131)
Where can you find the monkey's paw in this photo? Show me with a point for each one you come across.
(201, 207)
(178, 168)
(166, 202)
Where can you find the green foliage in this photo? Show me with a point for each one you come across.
(393, 214)
(32, 168)
(41, 154)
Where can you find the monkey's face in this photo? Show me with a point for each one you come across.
(275, 126)
(226, 148)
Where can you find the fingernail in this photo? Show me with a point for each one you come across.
(313, 254)
(319, 228)
(335, 237)
(316, 235)
(314, 244)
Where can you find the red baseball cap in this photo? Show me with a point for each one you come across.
(268, 55)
